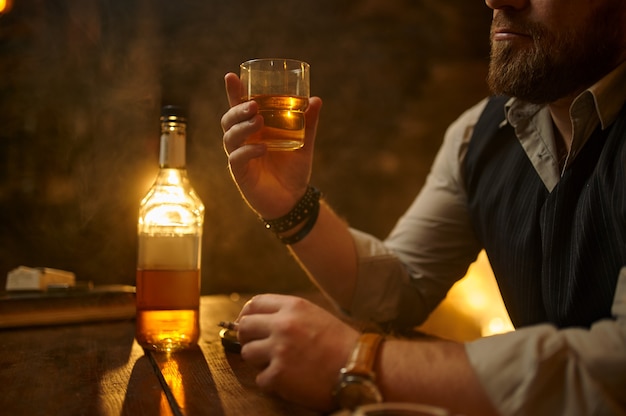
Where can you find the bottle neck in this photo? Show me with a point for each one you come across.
(173, 138)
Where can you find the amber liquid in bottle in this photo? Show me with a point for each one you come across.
(169, 253)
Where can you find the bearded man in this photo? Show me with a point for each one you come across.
(535, 175)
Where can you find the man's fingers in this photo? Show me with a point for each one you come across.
(252, 327)
(257, 352)
(233, 89)
(268, 303)
(239, 113)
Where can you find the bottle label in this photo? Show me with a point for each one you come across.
(172, 152)
(178, 252)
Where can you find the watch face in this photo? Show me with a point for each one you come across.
(356, 391)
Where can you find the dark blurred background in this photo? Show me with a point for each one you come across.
(82, 83)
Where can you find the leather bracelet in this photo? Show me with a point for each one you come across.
(304, 231)
(306, 207)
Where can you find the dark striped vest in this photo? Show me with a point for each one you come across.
(556, 255)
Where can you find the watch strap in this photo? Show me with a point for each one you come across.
(363, 356)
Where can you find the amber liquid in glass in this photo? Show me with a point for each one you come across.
(283, 118)
(167, 308)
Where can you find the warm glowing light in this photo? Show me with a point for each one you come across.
(5, 6)
(473, 307)
(476, 299)
(168, 214)
(173, 177)
(173, 377)
(496, 325)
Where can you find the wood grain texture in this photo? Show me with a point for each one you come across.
(98, 369)
(91, 369)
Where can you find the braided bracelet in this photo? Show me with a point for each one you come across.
(307, 207)
(293, 239)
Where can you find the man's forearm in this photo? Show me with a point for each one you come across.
(431, 371)
(329, 257)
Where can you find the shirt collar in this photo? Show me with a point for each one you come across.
(607, 97)
(598, 105)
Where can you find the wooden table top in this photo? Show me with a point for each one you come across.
(98, 369)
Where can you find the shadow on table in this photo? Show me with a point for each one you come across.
(65, 369)
(144, 394)
(179, 383)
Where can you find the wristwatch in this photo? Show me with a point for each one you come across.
(357, 380)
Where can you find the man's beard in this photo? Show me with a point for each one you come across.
(554, 64)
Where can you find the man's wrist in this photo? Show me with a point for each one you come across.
(357, 380)
(297, 223)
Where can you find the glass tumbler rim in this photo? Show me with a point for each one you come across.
(296, 63)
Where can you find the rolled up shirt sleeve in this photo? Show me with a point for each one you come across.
(541, 370)
(403, 278)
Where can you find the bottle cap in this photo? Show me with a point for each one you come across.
(173, 113)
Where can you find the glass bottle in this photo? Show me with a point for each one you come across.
(170, 223)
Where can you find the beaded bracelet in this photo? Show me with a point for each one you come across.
(304, 209)
(293, 239)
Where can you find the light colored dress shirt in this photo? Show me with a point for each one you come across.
(535, 370)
